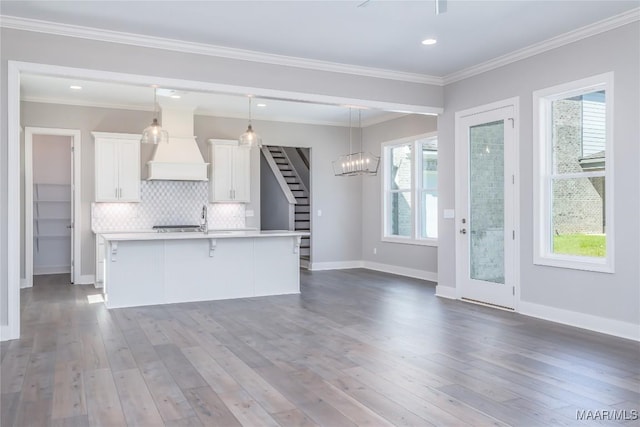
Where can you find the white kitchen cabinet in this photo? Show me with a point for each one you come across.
(117, 167)
(230, 173)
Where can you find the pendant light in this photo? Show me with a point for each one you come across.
(154, 134)
(359, 163)
(250, 138)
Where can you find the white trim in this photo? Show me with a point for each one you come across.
(86, 279)
(446, 292)
(415, 190)
(401, 271)
(410, 241)
(12, 330)
(67, 30)
(51, 269)
(596, 28)
(604, 325)
(542, 173)
(76, 144)
(25, 284)
(335, 265)
(6, 333)
(200, 86)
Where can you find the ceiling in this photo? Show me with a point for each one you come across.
(375, 34)
(379, 34)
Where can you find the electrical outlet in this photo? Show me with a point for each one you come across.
(319, 212)
(375, 251)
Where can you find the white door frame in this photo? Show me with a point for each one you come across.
(460, 164)
(76, 140)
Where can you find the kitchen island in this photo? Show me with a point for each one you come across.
(163, 268)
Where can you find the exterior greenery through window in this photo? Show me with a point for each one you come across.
(575, 212)
(410, 169)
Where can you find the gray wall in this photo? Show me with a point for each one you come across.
(274, 205)
(83, 53)
(423, 258)
(340, 220)
(615, 296)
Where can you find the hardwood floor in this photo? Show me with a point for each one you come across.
(356, 348)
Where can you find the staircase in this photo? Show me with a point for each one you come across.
(300, 220)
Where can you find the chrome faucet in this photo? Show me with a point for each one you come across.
(204, 224)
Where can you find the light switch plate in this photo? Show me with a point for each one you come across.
(319, 212)
(449, 214)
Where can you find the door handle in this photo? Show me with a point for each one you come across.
(463, 231)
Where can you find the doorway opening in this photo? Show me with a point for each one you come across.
(52, 201)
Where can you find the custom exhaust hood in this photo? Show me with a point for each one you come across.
(179, 159)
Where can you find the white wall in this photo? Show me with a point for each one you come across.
(42, 48)
(422, 258)
(610, 296)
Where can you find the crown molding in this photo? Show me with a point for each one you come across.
(616, 21)
(77, 31)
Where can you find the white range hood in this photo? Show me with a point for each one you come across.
(179, 159)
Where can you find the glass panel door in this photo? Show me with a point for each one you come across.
(486, 201)
(486, 205)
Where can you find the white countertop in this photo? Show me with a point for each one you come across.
(213, 234)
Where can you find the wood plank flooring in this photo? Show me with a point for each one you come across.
(356, 348)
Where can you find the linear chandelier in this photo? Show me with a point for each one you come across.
(360, 163)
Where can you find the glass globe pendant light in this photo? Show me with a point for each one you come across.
(250, 138)
(154, 134)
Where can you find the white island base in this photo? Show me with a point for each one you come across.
(148, 269)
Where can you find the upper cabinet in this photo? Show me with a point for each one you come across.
(117, 167)
(230, 173)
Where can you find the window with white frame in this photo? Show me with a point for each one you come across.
(410, 179)
(573, 215)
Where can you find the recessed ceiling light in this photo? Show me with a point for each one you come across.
(75, 87)
(429, 42)
(175, 96)
(261, 105)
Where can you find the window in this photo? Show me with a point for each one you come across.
(410, 202)
(574, 208)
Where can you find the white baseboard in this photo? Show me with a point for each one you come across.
(6, 333)
(338, 265)
(446, 292)
(52, 269)
(604, 325)
(401, 271)
(85, 279)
